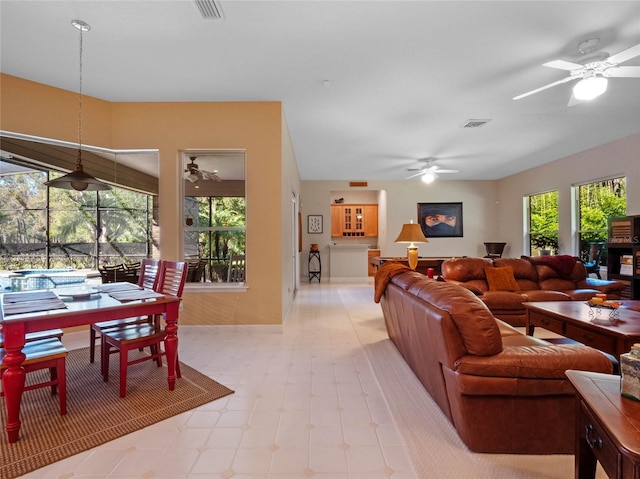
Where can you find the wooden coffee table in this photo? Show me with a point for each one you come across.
(572, 319)
(607, 427)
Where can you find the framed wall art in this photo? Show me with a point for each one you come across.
(314, 224)
(440, 220)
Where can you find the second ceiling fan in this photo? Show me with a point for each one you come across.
(193, 173)
(430, 171)
(593, 73)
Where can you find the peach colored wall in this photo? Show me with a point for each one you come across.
(40, 110)
(255, 127)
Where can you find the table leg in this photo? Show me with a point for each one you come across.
(585, 461)
(13, 378)
(171, 342)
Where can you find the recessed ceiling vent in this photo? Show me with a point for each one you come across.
(475, 123)
(209, 9)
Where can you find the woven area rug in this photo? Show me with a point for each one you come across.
(95, 412)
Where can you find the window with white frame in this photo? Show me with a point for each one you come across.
(543, 223)
(596, 203)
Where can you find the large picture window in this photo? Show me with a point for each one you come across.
(44, 227)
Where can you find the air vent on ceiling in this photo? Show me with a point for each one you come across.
(475, 123)
(209, 9)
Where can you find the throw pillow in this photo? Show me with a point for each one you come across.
(501, 278)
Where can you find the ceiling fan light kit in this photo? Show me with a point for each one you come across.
(428, 177)
(590, 88)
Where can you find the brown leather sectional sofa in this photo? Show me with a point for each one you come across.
(544, 278)
(504, 392)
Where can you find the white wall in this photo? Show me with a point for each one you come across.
(492, 210)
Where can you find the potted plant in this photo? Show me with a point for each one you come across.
(546, 243)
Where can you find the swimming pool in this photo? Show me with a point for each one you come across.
(30, 279)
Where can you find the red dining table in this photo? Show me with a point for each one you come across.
(77, 311)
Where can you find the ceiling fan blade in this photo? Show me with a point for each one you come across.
(564, 80)
(417, 174)
(625, 55)
(209, 175)
(573, 101)
(563, 65)
(622, 72)
(445, 171)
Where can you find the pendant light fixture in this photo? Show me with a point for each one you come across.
(79, 180)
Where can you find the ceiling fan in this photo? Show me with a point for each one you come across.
(193, 173)
(593, 72)
(430, 172)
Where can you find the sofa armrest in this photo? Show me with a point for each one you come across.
(535, 362)
(602, 285)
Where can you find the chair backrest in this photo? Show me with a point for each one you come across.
(148, 273)
(195, 270)
(595, 253)
(112, 274)
(236, 268)
(171, 278)
(494, 250)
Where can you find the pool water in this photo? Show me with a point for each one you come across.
(31, 279)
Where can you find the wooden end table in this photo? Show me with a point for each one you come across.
(607, 427)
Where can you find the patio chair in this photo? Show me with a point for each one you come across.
(236, 268)
(593, 260)
(171, 279)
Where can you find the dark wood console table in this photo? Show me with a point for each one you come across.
(607, 427)
(423, 263)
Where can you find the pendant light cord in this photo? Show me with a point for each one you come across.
(79, 162)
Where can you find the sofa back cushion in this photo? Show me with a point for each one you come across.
(476, 325)
(469, 271)
(524, 272)
(557, 279)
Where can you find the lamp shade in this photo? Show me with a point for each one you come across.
(411, 233)
(78, 180)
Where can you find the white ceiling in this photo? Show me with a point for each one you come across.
(404, 76)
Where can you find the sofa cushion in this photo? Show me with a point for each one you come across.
(501, 278)
(475, 323)
(544, 295)
(503, 300)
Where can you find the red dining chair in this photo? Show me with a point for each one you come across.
(45, 354)
(146, 279)
(171, 279)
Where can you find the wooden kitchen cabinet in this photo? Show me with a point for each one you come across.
(354, 220)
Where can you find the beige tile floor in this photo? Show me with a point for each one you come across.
(306, 405)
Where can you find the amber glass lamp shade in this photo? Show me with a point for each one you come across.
(411, 233)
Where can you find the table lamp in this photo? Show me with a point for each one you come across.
(411, 233)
